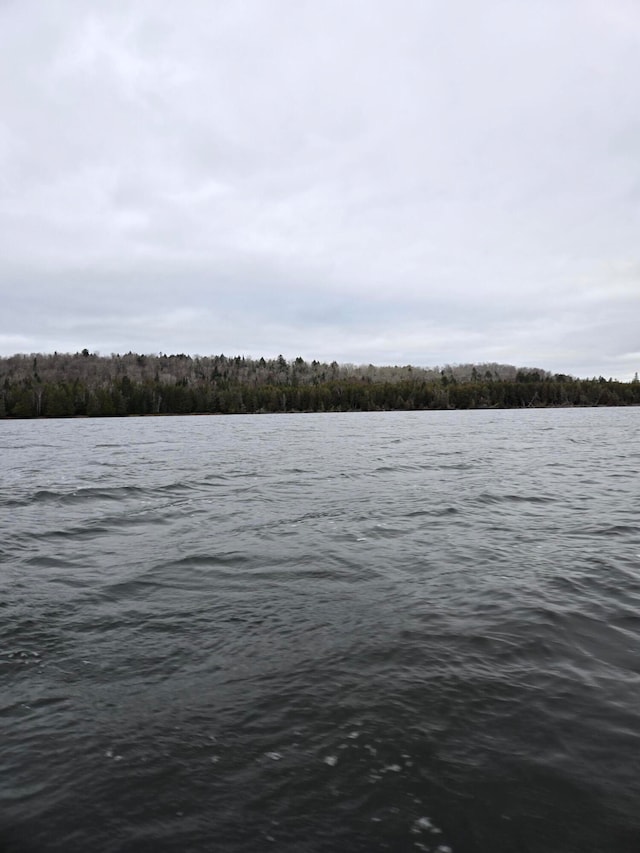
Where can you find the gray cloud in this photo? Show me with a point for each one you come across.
(413, 181)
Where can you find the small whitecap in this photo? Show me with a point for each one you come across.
(443, 848)
(117, 758)
(215, 759)
(424, 823)
(331, 760)
(274, 756)
(109, 753)
(393, 768)
(353, 735)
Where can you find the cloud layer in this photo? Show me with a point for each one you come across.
(408, 182)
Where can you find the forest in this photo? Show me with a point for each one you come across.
(88, 384)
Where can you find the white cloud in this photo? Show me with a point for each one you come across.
(413, 181)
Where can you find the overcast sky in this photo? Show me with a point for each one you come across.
(385, 181)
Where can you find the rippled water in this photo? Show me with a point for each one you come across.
(349, 632)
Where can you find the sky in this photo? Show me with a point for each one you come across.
(422, 182)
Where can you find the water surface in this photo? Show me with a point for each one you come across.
(350, 632)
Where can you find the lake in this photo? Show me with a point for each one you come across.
(403, 631)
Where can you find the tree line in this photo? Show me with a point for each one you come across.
(90, 385)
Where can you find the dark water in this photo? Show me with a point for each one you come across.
(359, 632)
